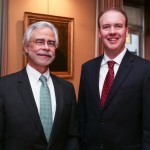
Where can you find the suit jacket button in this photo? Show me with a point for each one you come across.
(101, 146)
(102, 123)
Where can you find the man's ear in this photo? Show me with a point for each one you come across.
(26, 49)
(127, 31)
(99, 34)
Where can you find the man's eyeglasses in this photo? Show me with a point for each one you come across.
(41, 42)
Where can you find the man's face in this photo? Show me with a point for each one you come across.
(113, 32)
(41, 49)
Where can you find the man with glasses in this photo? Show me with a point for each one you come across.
(37, 114)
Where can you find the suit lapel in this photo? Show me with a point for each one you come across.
(95, 81)
(124, 69)
(59, 107)
(25, 91)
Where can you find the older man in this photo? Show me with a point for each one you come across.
(38, 109)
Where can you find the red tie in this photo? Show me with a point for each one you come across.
(108, 82)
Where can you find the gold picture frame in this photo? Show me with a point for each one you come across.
(63, 63)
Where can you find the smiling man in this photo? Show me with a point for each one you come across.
(113, 31)
(37, 108)
(114, 92)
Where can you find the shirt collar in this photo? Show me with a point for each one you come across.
(35, 75)
(117, 59)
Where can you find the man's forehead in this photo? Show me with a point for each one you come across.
(112, 16)
(112, 12)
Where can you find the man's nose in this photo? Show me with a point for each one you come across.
(112, 30)
(46, 46)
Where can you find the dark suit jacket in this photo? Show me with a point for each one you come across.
(20, 125)
(124, 122)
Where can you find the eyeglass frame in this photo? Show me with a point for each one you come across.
(41, 42)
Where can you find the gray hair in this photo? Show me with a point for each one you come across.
(39, 25)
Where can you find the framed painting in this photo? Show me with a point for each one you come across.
(63, 63)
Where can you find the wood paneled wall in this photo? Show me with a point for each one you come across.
(111, 3)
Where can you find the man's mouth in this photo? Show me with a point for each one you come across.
(112, 40)
(44, 55)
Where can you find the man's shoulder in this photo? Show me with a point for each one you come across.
(11, 76)
(93, 61)
(140, 60)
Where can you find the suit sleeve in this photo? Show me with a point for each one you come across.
(81, 105)
(1, 123)
(73, 130)
(146, 112)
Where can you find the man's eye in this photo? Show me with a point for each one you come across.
(51, 43)
(39, 41)
(118, 26)
(106, 27)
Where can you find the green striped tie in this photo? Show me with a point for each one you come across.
(45, 107)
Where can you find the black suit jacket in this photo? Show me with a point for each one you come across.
(124, 122)
(20, 125)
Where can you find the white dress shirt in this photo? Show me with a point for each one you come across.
(104, 67)
(35, 83)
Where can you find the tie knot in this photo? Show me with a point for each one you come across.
(111, 64)
(43, 79)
